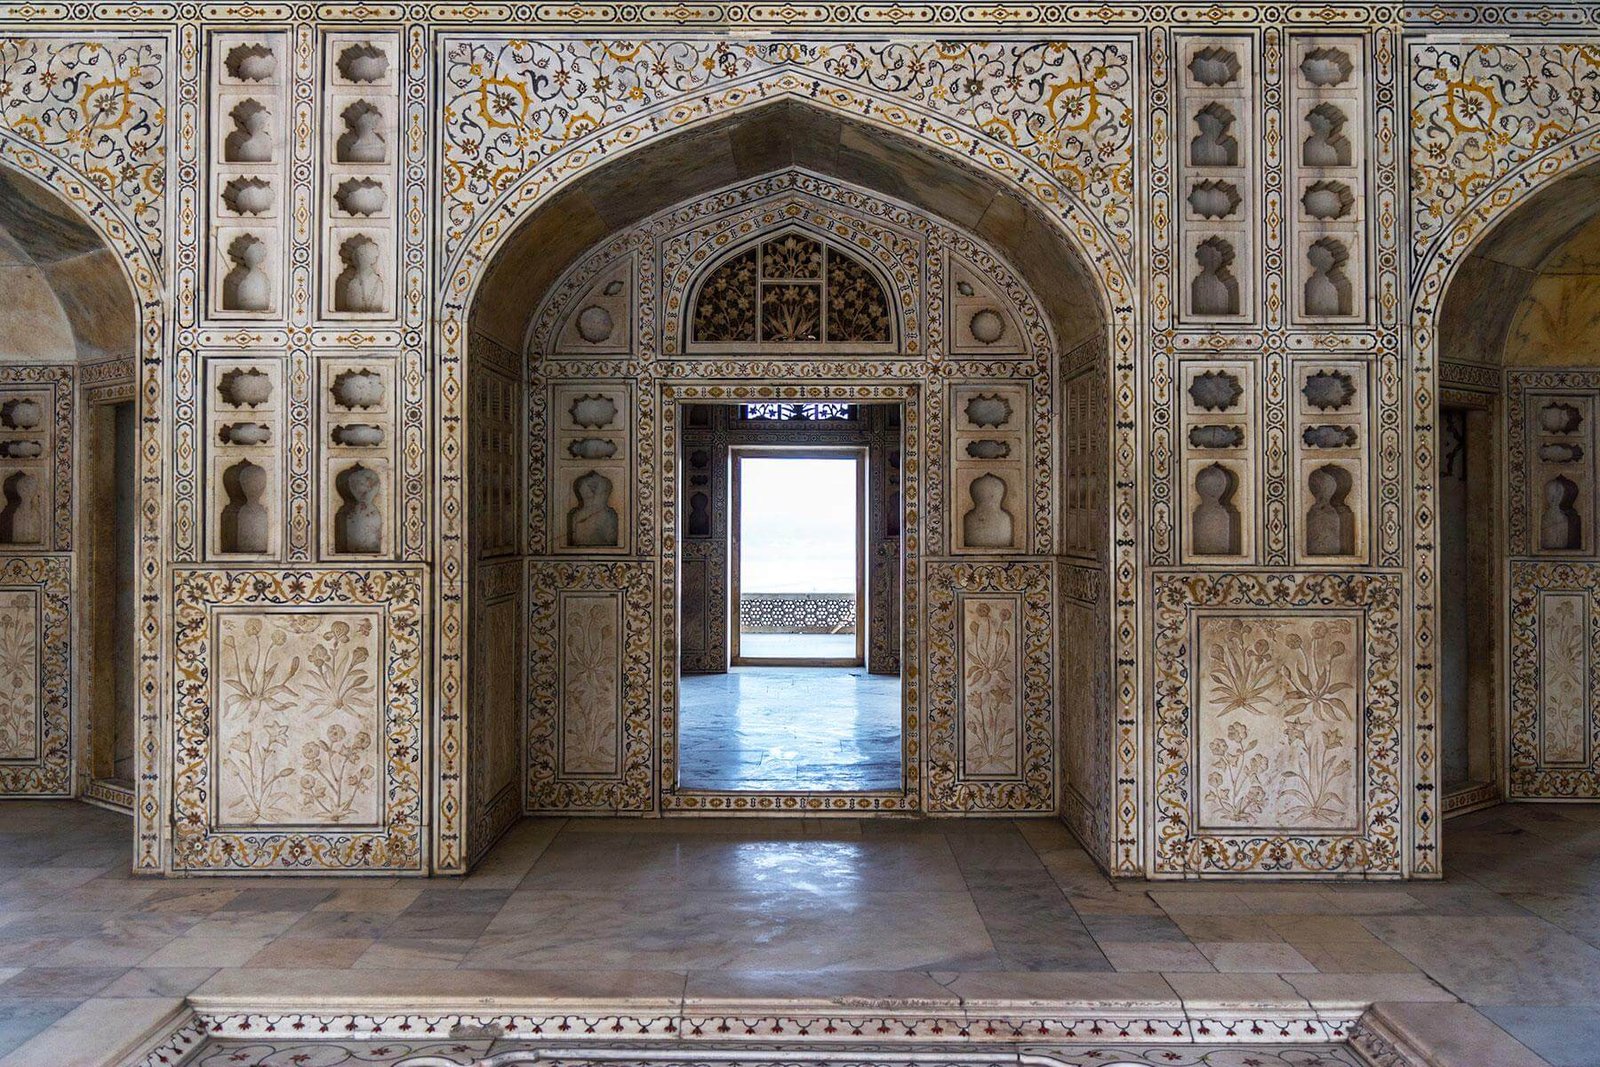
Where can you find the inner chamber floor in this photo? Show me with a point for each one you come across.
(916, 910)
(787, 729)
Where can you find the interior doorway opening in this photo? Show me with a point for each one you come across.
(790, 673)
(111, 536)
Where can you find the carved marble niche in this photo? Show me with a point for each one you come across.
(991, 502)
(591, 468)
(249, 176)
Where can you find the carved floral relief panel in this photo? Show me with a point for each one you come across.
(1554, 739)
(35, 670)
(299, 720)
(1278, 743)
(990, 687)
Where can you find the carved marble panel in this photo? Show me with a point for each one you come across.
(590, 704)
(990, 687)
(1277, 721)
(1554, 738)
(299, 720)
(35, 676)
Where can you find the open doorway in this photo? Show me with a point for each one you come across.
(790, 666)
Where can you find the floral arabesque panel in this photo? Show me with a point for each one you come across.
(299, 720)
(1554, 738)
(990, 737)
(1277, 724)
(35, 676)
(590, 728)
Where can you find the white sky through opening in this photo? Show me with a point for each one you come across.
(797, 525)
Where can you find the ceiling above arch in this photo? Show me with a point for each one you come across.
(771, 138)
(66, 296)
(1529, 293)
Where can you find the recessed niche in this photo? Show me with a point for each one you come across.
(1326, 146)
(1329, 390)
(1213, 199)
(360, 287)
(244, 433)
(1328, 288)
(988, 523)
(1217, 530)
(245, 387)
(22, 449)
(1326, 67)
(21, 510)
(989, 411)
(592, 448)
(988, 449)
(1560, 527)
(358, 389)
(244, 518)
(1561, 453)
(251, 62)
(362, 197)
(1559, 418)
(1214, 67)
(358, 435)
(987, 326)
(1214, 290)
(362, 140)
(246, 286)
(1214, 146)
(250, 140)
(964, 287)
(592, 522)
(1215, 390)
(363, 64)
(1329, 436)
(248, 196)
(592, 412)
(1330, 524)
(595, 324)
(1328, 200)
(1216, 436)
(23, 413)
(358, 524)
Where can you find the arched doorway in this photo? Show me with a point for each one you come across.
(1519, 348)
(593, 296)
(68, 514)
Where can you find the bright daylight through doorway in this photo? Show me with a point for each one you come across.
(796, 709)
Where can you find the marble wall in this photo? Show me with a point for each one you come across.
(1218, 463)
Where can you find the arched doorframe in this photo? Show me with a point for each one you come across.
(1439, 267)
(1070, 219)
(142, 272)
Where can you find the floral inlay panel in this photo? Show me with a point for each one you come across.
(1277, 733)
(1554, 739)
(1277, 724)
(35, 676)
(591, 724)
(299, 723)
(19, 674)
(299, 715)
(990, 700)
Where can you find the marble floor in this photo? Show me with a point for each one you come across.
(1497, 964)
(789, 729)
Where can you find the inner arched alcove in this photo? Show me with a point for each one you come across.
(68, 334)
(583, 368)
(1519, 348)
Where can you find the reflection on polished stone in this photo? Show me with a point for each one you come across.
(784, 729)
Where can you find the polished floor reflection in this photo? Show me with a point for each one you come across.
(787, 729)
(941, 912)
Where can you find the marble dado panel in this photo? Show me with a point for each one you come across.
(1554, 739)
(299, 729)
(35, 676)
(1277, 724)
(591, 677)
(991, 734)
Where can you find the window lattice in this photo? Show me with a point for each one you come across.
(811, 412)
(791, 290)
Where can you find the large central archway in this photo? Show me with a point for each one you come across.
(636, 242)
